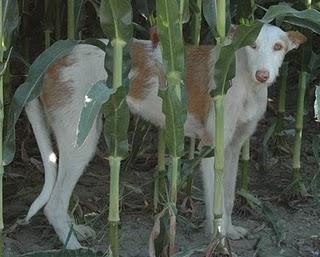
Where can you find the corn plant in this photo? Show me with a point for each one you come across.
(115, 18)
(9, 14)
(244, 35)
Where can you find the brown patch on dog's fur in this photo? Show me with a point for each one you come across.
(55, 91)
(143, 71)
(296, 37)
(198, 72)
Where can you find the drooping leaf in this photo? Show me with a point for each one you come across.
(98, 94)
(31, 89)
(266, 210)
(116, 19)
(10, 19)
(117, 117)
(308, 18)
(225, 64)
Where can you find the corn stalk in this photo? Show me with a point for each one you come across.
(173, 107)
(298, 186)
(9, 15)
(1, 130)
(218, 99)
(116, 21)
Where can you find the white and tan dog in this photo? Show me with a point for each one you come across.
(69, 79)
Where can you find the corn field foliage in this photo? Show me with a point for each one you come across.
(35, 34)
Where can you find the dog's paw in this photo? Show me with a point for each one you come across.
(236, 232)
(84, 232)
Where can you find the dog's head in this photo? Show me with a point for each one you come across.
(265, 56)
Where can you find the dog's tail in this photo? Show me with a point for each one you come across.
(36, 116)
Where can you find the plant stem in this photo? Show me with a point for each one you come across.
(196, 24)
(245, 159)
(282, 98)
(173, 200)
(118, 46)
(181, 13)
(71, 20)
(218, 165)
(1, 133)
(159, 184)
(221, 19)
(47, 30)
(296, 175)
(191, 157)
(114, 217)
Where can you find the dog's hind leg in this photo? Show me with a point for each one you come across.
(207, 167)
(72, 162)
(36, 117)
(232, 153)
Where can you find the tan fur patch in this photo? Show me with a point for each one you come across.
(296, 37)
(55, 91)
(197, 80)
(143, 71)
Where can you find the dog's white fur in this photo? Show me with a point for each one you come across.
(245, 104)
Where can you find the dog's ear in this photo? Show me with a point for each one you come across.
(295, 39)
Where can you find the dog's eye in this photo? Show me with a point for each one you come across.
(253, 46)
(277, 47)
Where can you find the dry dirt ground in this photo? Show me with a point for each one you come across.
(299, 220)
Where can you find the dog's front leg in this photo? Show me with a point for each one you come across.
(232, 153)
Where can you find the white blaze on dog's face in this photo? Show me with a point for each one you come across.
(266, 55)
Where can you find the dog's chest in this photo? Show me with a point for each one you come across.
(253, 109)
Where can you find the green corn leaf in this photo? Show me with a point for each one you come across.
(10, 19)
(117, 117)
(309, 18)
(116, 19)
(184, 12)
(98, 94)
(225, 64)
(175, 117)
(31, 89)
(266, 210)
(173, 57)
(209, 13)
(170, 36)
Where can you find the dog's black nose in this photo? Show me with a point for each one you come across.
(262, 75)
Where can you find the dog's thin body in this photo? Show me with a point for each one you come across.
(66, 84)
